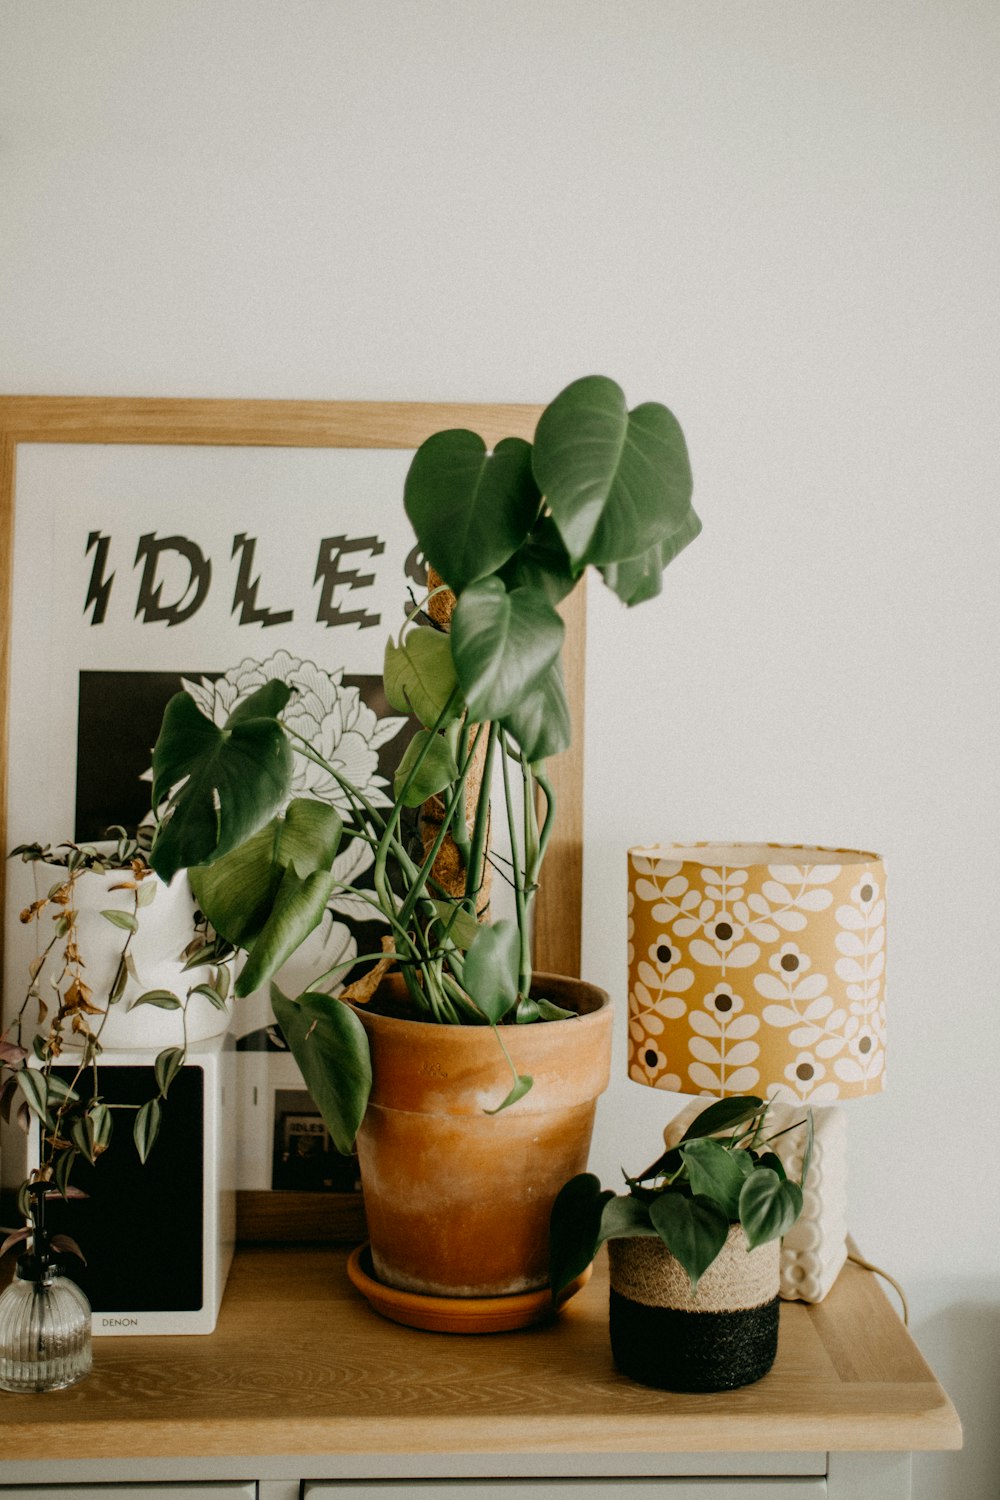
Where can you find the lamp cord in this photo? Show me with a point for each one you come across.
(866, 1265)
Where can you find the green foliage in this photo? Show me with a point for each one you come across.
(330, 1046)
(471, 509)
(510, 532)
(420, 675)
(491, 969)
(72, 1118)
(624, 492)
(215, 787)
(720, 1173)
(269, 893)
(503, 644)
(428, 766)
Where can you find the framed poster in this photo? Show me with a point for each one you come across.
(149, 545)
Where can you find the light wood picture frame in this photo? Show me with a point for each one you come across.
(152, 424)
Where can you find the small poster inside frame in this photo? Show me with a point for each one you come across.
(209, 545)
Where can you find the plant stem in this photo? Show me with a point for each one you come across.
(457, 797)
(476, 862)
(524, 962)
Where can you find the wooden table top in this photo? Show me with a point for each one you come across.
(299, 1364)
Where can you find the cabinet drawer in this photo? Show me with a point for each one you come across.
(777, 1488)
(198, 1489)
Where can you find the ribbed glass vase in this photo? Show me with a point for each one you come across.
(44, 1332)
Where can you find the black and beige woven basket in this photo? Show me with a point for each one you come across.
(722, 1336)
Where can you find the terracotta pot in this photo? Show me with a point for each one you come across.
(722, 1336)
(457, 1200)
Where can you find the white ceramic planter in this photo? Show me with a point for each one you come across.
(166, 927)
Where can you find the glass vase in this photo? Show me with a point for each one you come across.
(44, 1332)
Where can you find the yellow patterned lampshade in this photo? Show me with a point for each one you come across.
(757, 969)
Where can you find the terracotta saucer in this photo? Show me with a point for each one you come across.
(455, 1314)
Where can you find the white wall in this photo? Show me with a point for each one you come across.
(779, 218)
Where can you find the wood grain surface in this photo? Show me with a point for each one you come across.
(300, 1365)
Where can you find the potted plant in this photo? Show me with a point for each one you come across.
(120, 963)
(44, 1317)
(457, 1068)
(694, 1248)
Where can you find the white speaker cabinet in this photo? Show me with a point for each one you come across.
(158, 1237)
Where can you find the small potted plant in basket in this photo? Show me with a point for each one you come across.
(694, 1250)
(459, 1067)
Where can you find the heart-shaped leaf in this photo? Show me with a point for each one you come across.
(226, 782)
(457, 924)
(330, 1046)
(298, 909)
(503, 644)
(640, 578)
(713, 1172)
(427, 767)
(724, 1114)
(693, 1229)
(237, 892)
(626, 1218)
(470, 509)
(768, 1206)
(419, 675)
(540, 722)
(575, 1228)
(542, 562)
(617, 482)
(491, 968)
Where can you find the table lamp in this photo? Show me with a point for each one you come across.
(760, 969)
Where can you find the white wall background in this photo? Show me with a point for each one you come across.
(780, 218)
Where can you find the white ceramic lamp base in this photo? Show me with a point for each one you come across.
(814, 1250)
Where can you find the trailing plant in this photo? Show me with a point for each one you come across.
(60, 1007)
(41, 1247)
(507, 535)
(721, 1172)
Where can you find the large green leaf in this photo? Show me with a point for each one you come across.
(427, 767)
(575, 1228)
(543, 562)
(308, 836)
(298, 909)
(714, 1172)
(693, 1229)
(640, 578)
(420, 675)
(724, 1114)
(539, 722)
(226, 782)
(470, 509)
(769, 1206)
(625, 1218)
(503, 644)
(237, 892)
(490, 972)
(330, 1046)
(617, 482)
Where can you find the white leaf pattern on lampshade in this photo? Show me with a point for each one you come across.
(757, 968)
